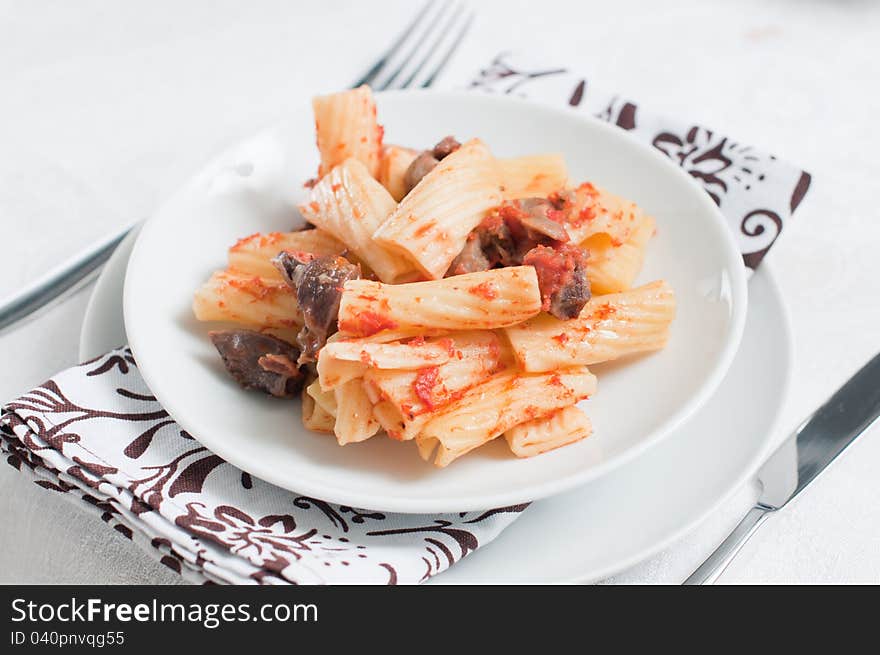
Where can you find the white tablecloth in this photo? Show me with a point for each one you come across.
(106, 106)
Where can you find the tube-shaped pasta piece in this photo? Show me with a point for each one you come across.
(313, 415)
(608, 327)
(387, 336)
(349, 204)
(252, 255)
(334, 372)
(389, 418)
(326, 400)
(354, 414)
(431, 224)
(412, 355)
(612, 269)
(251, 300)
(596, 211)
(346, 126)
(484, 300)
(475, 357)
(392, 169)
(505, 400)
(539, 435)
(532, 175)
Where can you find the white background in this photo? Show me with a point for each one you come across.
(106, 106)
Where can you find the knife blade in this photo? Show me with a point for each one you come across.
(804, 455)
(821, 437)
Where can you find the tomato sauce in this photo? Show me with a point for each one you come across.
(423, 385)
(485, 290)
(367, 323)
(554, 267)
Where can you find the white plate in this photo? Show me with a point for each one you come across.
(634, 511)
(253, 187)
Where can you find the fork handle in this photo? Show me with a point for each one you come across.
(710, 570)
(57, 281)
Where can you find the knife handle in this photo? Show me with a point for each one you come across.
(710, 570)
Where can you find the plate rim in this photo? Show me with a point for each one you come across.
(758, 457)
(546, 488)
(115, 266)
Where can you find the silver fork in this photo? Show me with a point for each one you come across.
(415, 59)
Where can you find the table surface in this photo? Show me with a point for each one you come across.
(108, 106)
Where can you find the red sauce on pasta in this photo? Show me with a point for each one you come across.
(603, 312)
(423, 385)
(485, 290)
(241, 243)
(255, 287)
(367, 323)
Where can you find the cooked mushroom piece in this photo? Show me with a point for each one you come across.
(445, 147)
(423, 164)
(536, 216)
(426, 160)
(471, 259)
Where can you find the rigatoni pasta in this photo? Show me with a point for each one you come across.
(609, 327)
(349, 204)
(346, 127)
(562, 427)
(594, 210)
(246, 299)
(532, 175)
(611, 268)
(354, 414)
(253, 255)
(431, 224)
(505, 400)
(487, 300)
(475, 356)
(315, 417)
(392, 169)
(442, 296)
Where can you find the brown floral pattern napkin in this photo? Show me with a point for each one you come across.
(755, 191)
(95, 434)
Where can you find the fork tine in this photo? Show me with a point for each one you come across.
(444, 30)
(452, 48)
(377, 67)
(389, 83)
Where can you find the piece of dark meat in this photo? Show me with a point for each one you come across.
(445, 146)
(471, 259)
(318, 282)
(496, 240)
(514, 228)
(531, 231)
(259, 361)
(562, 278)
(423, 164)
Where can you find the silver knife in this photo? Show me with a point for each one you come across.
(797, 462)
